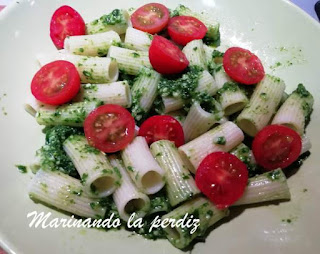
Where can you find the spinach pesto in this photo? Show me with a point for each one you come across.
(112, 18)
(52, 156)
(116, 20)
(183, 87)
(216, 64)
(208, 104)
(307, 101)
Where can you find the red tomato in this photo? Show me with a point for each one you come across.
(183, 29)
(276, 146)
(243, 66)
(162, 127)
(65, 22)
(165, 57)
(110, 128)
(222, 177)
(151, 18)
(56, 83)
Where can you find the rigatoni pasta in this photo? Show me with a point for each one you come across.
(222, 138)
(144, 171)
(91, 69)
(129, 61)
(117, 20)
(97, 174)
(64, 192)
(263, 104)
(127, 197)
(137, 40)
(91, 45)
(180, 184)
(112, 93)
(295, 110)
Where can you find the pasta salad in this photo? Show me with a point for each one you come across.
(145, 116)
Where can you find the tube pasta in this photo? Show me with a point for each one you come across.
(129, 61)
(213, 26)
(196, 150)
(198, 121)
(142, 167)
(195, 53)
(113, 93)
(72, 114)
(127, 197)
(64, 192)
(266, 187)
(221, 77)
(180, 185)
(306, 144)
(144, 92)
(263, 104)
(232, 98)
(199, 208)
(91, 45)
(137, 40)
(295, 110)
(91, 69)
(97, 174)
(117, 20)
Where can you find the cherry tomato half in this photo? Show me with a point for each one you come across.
(56, 83)
(151, 18)
(276, 146)
(243, 66)
(183, 29)
(110, 128)
(222, 177)
(165, 57)
(162, 127)
(65, 22)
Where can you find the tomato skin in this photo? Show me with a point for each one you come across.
(56, 83)
(65, 22)
(151, 18)
(243, 66)
(183, 29)
(158, 128)
(109, 128)
(276, 146)
(165, 57)
(222, 177)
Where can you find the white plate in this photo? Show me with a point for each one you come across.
(260, 25)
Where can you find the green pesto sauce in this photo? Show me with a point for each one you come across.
(102, 51)
(88, 74)
(302, 91)
(52, 154)
(84, 178)
(89, 149)
(208, 104)
(185, 176)
(183, 87)
(274, 175)
(22, 169)
(228, 87)
(135, 54)
(159, 202)
(92, 87)
(307, 100)
(221, 140)
(113, 18)
(117, 171)
(244, 155)
(126, 77)
(130, 168)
